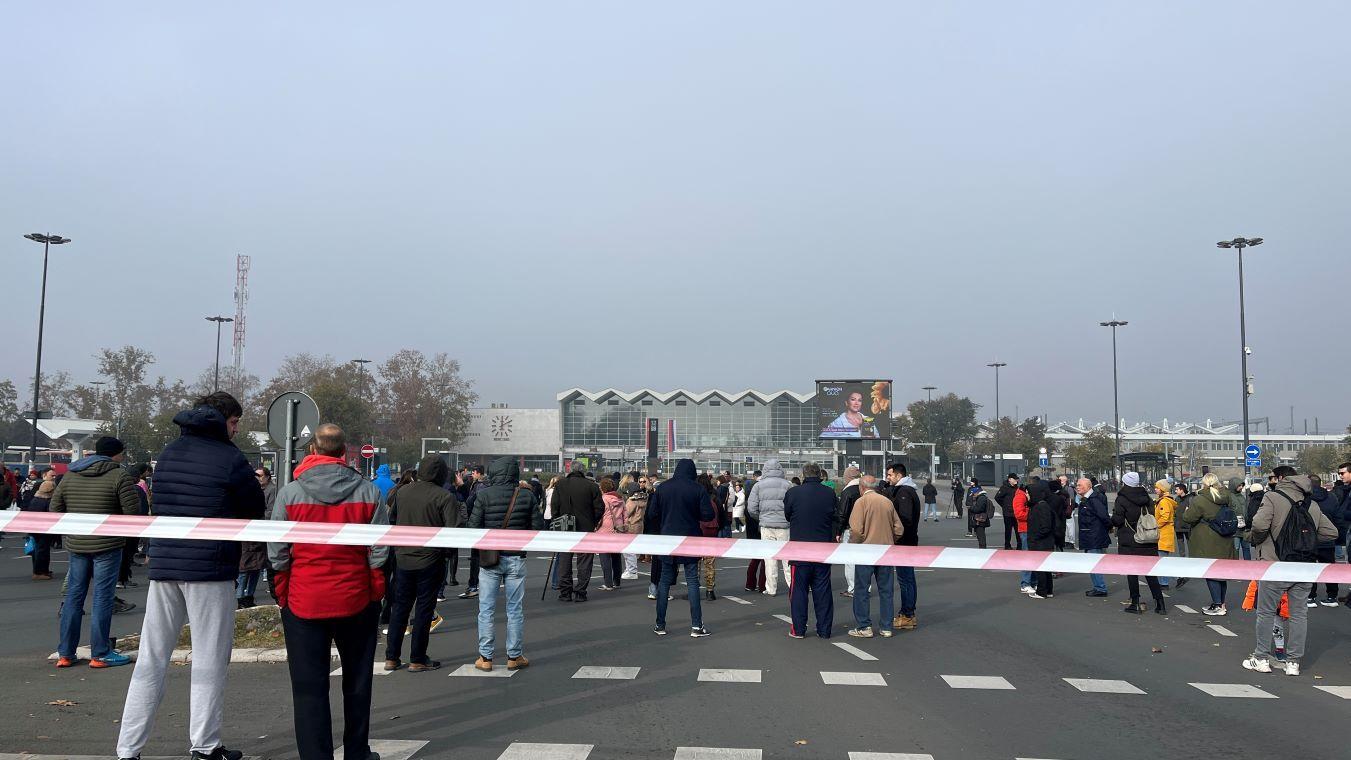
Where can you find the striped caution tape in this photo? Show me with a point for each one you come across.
(938, 557)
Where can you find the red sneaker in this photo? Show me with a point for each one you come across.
(65, 662)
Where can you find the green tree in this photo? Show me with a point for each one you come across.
(947, 421)
(421, 397)
(1094, 455)
(1319, 460)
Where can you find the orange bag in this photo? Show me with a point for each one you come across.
(1250, 601)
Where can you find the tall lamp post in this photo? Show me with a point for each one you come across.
(219, 321)
(1116, 402)
(48, 240)
(1241, 243)
(361, 368)
(997, 452)
(930, 390)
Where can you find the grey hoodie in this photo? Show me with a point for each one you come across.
(766, 501)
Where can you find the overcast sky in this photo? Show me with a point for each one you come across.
(699, 195)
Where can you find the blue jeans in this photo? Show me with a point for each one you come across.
(1027, 579)
(490, 584)
(905, 576)
(1099, 582)
(863, 576)
(668, 577)
(1165, 581)
(247, 583)
(1244, 548)
(100, 571)
(930, 510)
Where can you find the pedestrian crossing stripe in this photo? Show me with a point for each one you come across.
(534, 751)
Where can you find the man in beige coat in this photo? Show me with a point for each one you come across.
(873, 520)
(1291, 492)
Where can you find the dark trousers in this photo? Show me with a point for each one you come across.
(1133, 585)
(1011, 533)
(755, 575)
(410, 587)
(613, 567)
(1045, 585)
(957, 502)
(811, 579)
(566, 585)
(473, 569)
(387, 604)
(42, 554)
(1328, 555)
(307, 655)
(454, 555)
(128, 554)
(980, 535)
(905, 578)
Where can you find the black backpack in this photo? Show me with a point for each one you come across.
(1225, 522)
(1298, 538)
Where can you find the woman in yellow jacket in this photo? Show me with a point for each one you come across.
(1164, 511)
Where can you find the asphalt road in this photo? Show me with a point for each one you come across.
(972, 623)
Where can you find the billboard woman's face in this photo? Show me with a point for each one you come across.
(855, 402)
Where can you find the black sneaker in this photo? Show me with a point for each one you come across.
(121, 605)
(470, 593)
(219, 753)
(699, 633)
(659, 630)
(1095, 592)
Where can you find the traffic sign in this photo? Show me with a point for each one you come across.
(368, 451)
(1253, 451)
(1043, 461)
(1251, 463)
(306, 419)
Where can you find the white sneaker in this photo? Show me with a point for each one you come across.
(1291, 668)
(767, 592)
(1260, 666)
(1035, 595)
(1214, 609)
(629, 577)
(1028, 590)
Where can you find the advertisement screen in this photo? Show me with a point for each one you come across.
(853, 409)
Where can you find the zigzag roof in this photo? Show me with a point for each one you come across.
(695, 396)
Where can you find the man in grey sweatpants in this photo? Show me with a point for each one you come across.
(201, 474)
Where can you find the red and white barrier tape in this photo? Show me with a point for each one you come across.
(354, 534)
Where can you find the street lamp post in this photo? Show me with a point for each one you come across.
(219, 321)
(48, 240)
(1116, 402)
(1241, 243)
(929, 389)
(997, 452)
(361, 368)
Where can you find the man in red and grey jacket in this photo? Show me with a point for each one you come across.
(330, 596)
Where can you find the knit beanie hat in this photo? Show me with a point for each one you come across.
(1131, 479)
(109, 446)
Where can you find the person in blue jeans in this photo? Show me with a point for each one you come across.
(676, 509)
(863, 578)
(873, 520)
(502, 504)
(1095, 523)
(98, 571)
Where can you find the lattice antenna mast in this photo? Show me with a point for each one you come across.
(241, 299)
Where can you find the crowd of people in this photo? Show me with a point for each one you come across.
(340, 596)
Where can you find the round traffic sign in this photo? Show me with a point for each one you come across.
(1253, 451)
(307, 418)
(368, 451)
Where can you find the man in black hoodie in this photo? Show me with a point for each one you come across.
(1004, 496)
(419, 571)
(1042, 517)
(675, 509)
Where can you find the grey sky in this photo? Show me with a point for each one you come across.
(697, 195)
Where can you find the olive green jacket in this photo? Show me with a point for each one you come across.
(98, 487)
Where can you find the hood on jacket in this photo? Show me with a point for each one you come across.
(907, 481)
(772, 469)
(1038, 491)
(433, 469)
(1236, 485)
(203, 421)
(1135, 495)
(86, 466)
(382, 472)
(503, 471)
(1297, 487)
(685, 469)
(328, 480)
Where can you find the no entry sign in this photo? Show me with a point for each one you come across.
(368, 451)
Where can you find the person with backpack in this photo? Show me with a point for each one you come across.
(1137, 535)
(979, 510)
(1287, 528)
(1212, 524)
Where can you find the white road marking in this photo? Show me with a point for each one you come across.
(1101, 686)
(852, 679)
(977, 682)
(530, 751)
(1241, 690)
(1221, 630)
(392, 749)
(785, 619)
(737, 599)
(1184, 608)
(601, 671)
(469, 671)
(378, 668)
(855, 651)
(1337, 691)
(729, 676)
(888, 756)
(716, 753)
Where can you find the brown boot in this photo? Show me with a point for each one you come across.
(516, 663)
(906, 622)
(392, 665)
(484, 665)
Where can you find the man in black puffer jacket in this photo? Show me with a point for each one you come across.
(675, 509)
(202, 474)
(1042, 518)
(504, 505)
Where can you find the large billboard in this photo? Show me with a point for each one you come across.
(853, 409)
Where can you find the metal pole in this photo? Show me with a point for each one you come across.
(1243, 338)
(37, 373)
(217, 381)
(1116, 407)
(290, 448)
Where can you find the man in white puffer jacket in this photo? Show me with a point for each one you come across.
(766, 505)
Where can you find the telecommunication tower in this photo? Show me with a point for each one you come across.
(241, 298)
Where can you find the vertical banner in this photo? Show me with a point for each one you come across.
(653, 433)
(671, 435)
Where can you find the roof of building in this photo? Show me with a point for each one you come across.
(695, 396)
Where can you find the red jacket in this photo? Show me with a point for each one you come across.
(1020, 509)
(317, 581)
